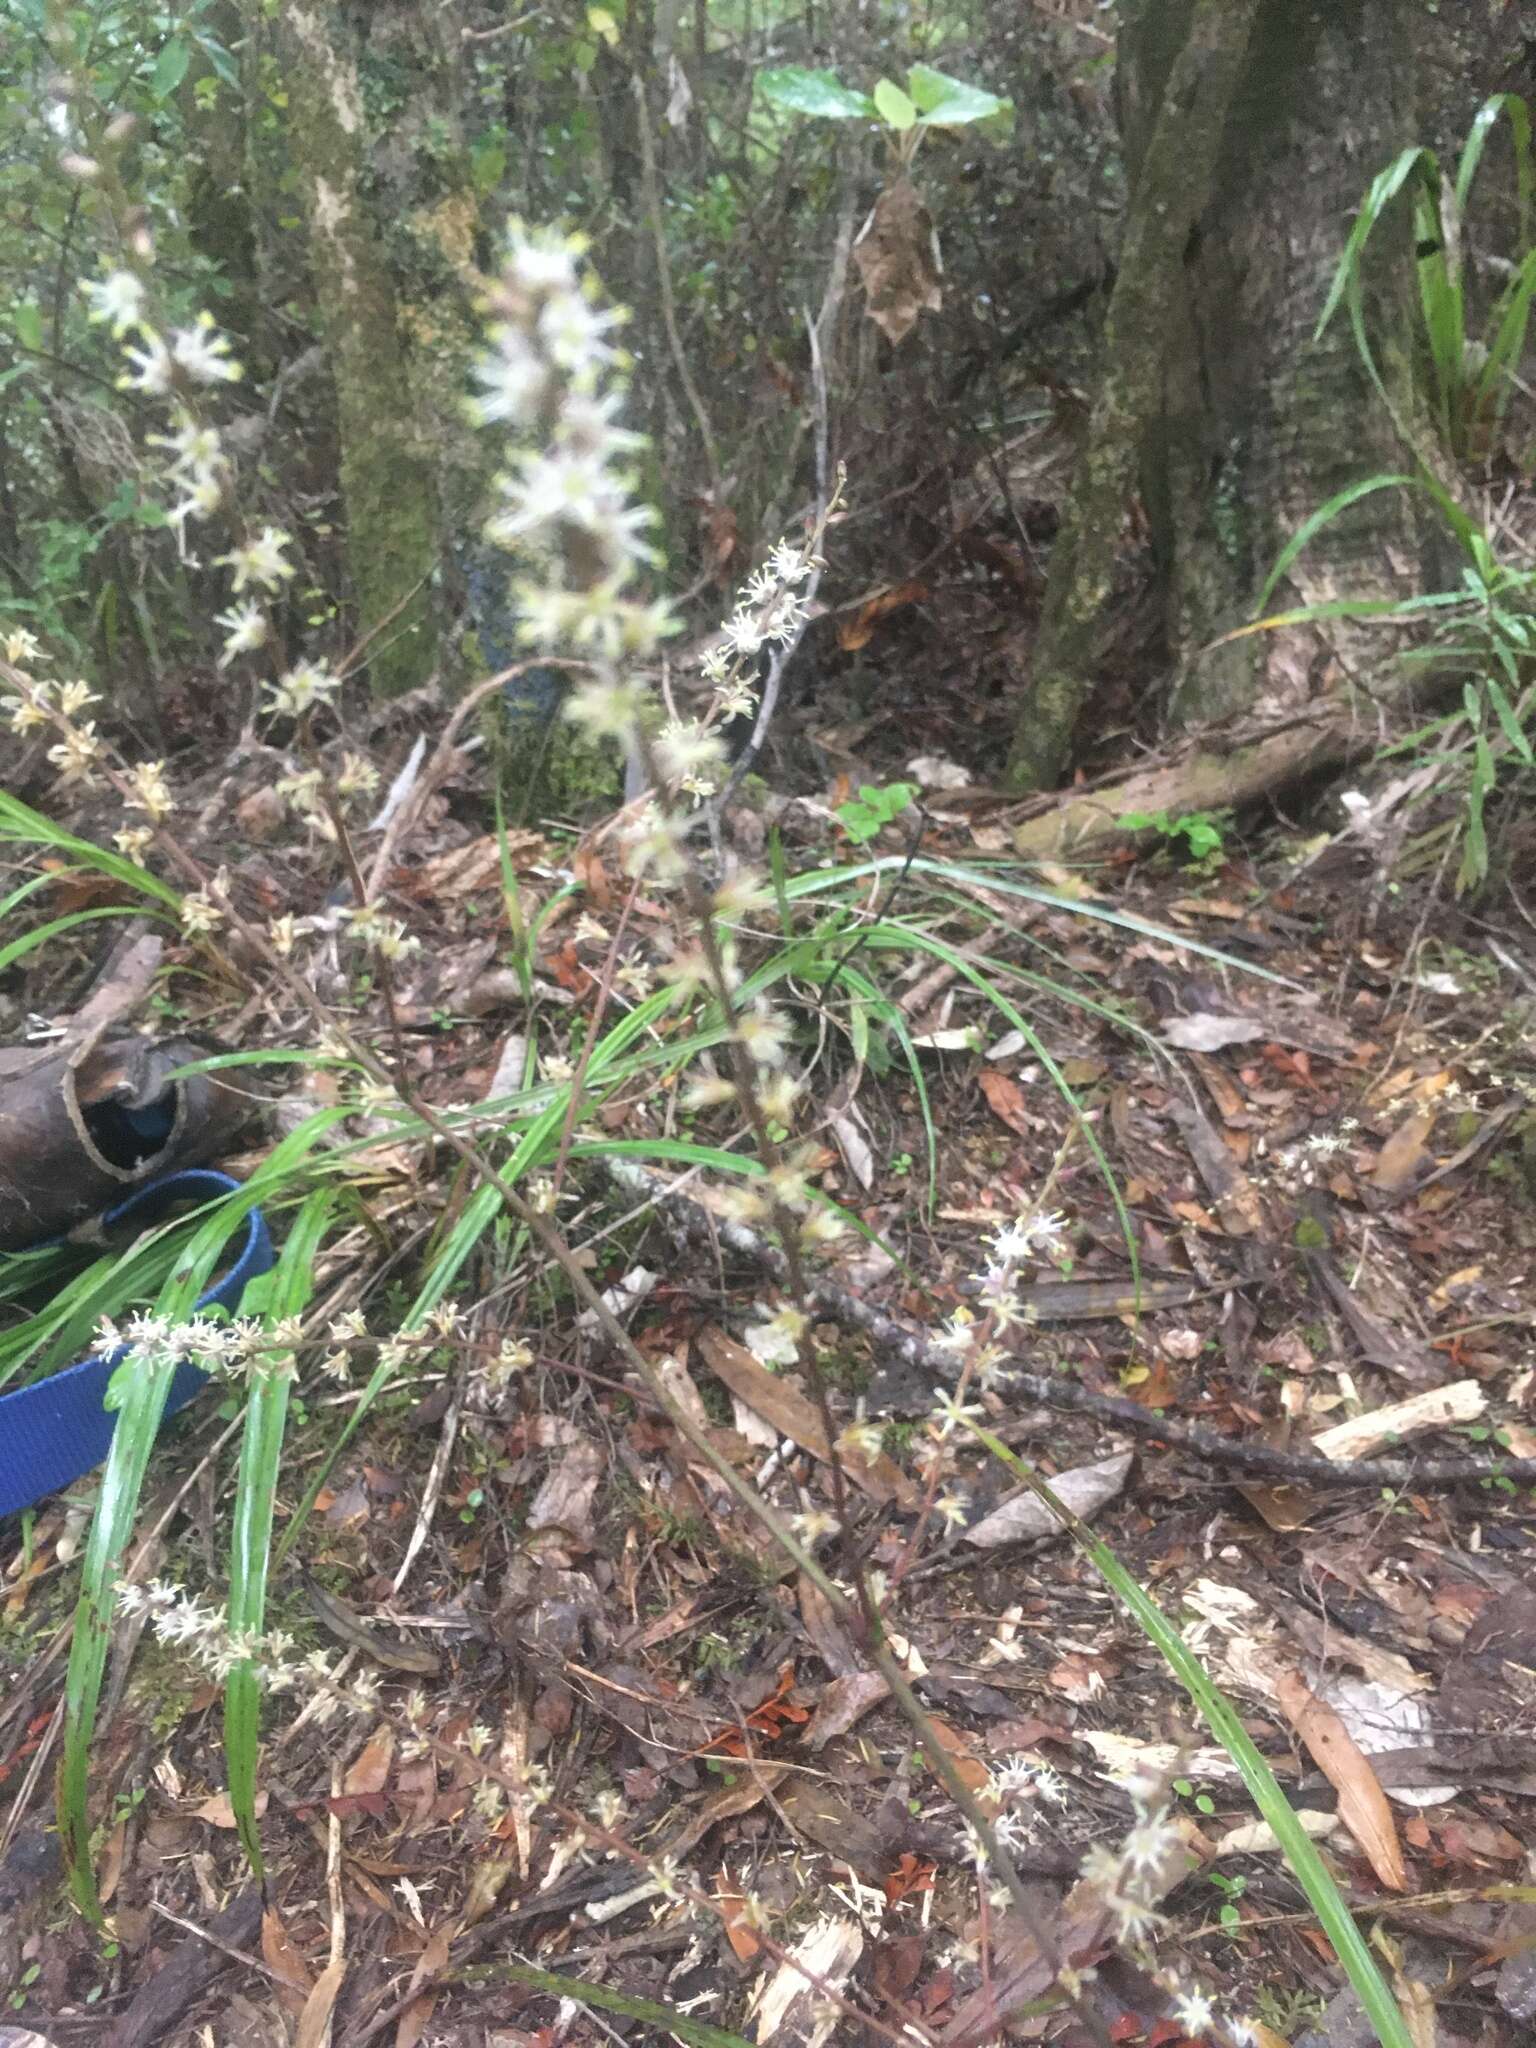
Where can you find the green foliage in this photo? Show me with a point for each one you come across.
(1198, 832)
(1471, 360)
(931, 100)
(1482, 629)
(873, 809)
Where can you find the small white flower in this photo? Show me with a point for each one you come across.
(741, 892)
(958, 1334)
(303, 687)
(150, 368)
(607, 710)
(196, 449)
(788, 564)
(572, 329)
(203, 352)
(118, 300)
(1195, 2011)
(708, 1091)
(513, 381)
(777, 1341)
(20, 647)
(777, 1095)
(542, 260)
(75, 755)
(821, 1227)
(952, 1510)
(133, 842)
(684, 750)
(608, 1808)
(356, 777)
(260, 561)
(200, 914)
(948, 1414)
(784, 618)
(73, 698)
(815, 1523)
(512, 1357)
(764, 1035)
(743, 633)
(245, 629)
(864, 1439)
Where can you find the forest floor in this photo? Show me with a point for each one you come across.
(1314, 1095)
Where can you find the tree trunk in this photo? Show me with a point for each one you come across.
(1245, 426)
(1185, 141)
(387, 479)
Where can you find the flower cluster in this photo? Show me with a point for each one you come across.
(555, 376)
(221, 1349)
(181, 366)
(179, 1617)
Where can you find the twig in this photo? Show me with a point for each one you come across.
(664, 286)
(1302, 1467)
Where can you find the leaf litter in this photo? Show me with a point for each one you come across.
(588, 1602)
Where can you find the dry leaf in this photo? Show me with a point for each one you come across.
(1203, 1031)
(845, 1701)
(1084, 1489)
(857, 631)
(314, 2029)
(733, 1911)
(794, 1416)
(897, 260)
(370, 1771)
(1404, 1153)
(1005, 1099)
(1363, 1805)
(564, 1501)
(294, 1983)
(1437, 1408)
(218, 1812)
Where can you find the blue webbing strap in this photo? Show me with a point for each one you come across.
(57, 1429)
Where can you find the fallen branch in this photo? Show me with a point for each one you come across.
(1210, 778)
(1264, 1460)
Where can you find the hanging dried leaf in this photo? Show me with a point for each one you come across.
(898, 262)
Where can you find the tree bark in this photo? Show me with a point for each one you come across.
(387, 480)
(1260, 424)
(1171, 193)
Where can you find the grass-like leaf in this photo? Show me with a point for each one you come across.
(1221, 1717)
(285, 1291)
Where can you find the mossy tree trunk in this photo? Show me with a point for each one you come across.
(387, 468)
(1166, 204)
(1241, 425)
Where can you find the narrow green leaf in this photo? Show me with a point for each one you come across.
(1513, 731)
(1306, 1865)
(284, 1292)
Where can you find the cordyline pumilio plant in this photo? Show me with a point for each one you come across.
(580, 542)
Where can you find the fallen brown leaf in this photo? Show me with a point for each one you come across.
(1005, 1099)
(794, 1416)
(370, 1770)
(1362, 1804)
